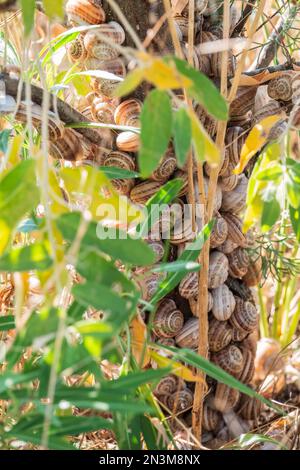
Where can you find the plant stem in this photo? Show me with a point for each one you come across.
(264, 326)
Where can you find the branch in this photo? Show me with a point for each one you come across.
(66, 113)
(243, 19)
(272, 69)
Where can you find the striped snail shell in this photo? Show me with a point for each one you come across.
(67, 147)
(180, 174)
(229, 183)
(128, 141)
(218, 269)
(104, 86)
(239, 288)
(254, 273)
(185, 51)
(218, 195)
(96, 47)
(245, 315)
(247, 373)
(216, 64)
(181, 401)
(188, 337)
(208, 122)
(281, 88)
(243, 102)
(167, 385)
(271, 108)
(85, 12)
(234, 201)
(102, 110)
(230, 359)
(225, 398)
(235, 229)
(211, 419)
(219, 335)
(234, 140)
(223, 302)
(238, 262)
(144, 191)
(250, 408)
(149, 285)
(124, 161)
(188, 287)
(128, 113)
(239, 335)
(166, 167)
(76, 50)
(182, 26)
(193, 303)
(278, 130)
(219, 232)
(228, 246)
(158, 248)
(167, 323)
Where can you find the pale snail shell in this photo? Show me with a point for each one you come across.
(219, 335)
(167, 324)
(96, 47)
(128, 113)
(67, 147)
(225, 398)
(211, 419)
(234, 140)
(142, 192)
(228, 246)
(104, 86)
(245, 316)
(193, 303)
(85, 12)
(247, 373)
(128, 141)
(219, 232)
(267, 358)
(230, 359)
(238, 262)
(166, 167)
(218, 269)
(281, 88)
(76, 50)
(223, 302)
(181, 401)
(158, 248)
(188, 287)
(234, 201)
(235, 229)
(167, 385)
(250, 408)
(103, 110)
(269, 109)
(124, 161)
(229, 183)
(188, 337)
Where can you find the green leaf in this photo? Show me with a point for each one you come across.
(119, 173)
(7, 323)
(247, 440)
(135, 379)
(18, 195)
(121, 246)
(203, 90)
(177, 266)
(4, 138)
(182, 134)
(9, 379)
(271, 209)
(292, 188)
(295, 219)
(28, 11)
(54, 9)
(156, 130)
(272, 173)
(26, 258)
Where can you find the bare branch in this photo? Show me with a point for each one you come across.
(244, 18)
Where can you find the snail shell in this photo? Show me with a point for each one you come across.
(128, 141)
(188, 287)
(193, 303)
(167, 323)
(225, 398)
(239, 288)
(239, 335)
(124, 161)
(166, 168)
(144, 191)
(228, 246)
(223, 303)
(235, 139)
(158, 247)
(245, 315)
(211, 419)
(250, 408)
(219, 232)
(76, 50)
(94, 45)
(244, 101)
(188, 337)
(229, 183)
(103, 110)
(269, 109)
(181, 401)
(238, 262)
(104, 86)
(234, 201)
(230, 359)
(219, 335)
(67, 147)
(281, 88)
(180, 174)
(216, 64)
(218, 269)
(85, 12)
(235, 229)
(166, 386)
(278, 130)
(182, 26)
(208, 122)
(128, 113)
(149, 285)
(247, 373)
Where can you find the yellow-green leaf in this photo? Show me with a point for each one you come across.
(54, 8)
(177, 368)
(130, 83)
(205, 148)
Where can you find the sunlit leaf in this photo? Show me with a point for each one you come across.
(54, 9)
(130, 83)
(205, 148)
(26, 258)
(138, 330)
(182, 134)
(7, 323)
(177, 266)
(177, 368)
(162, 74)
(28, 11)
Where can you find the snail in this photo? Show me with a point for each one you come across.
(225, 398)
(230, 359)
(125, 162)
(238, 262)
(219, 335)
(244, 316)
(218, 269)
(128, 113)
(181, 401)
(281, 88)
(128, 141)
(67, 147)
(167, 322)
(223, 303)
(85, 12)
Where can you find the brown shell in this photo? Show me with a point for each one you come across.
(128, 141)
(85, 12)
(181, 401)
(248, 368)
(234, 141)
(235, 200)
(271, 108)
(235, 229)
(188, 337)
(76, 50)
(245, 316)
(239, 288)
(67, 147)
(128, 113)
(104, 86)
(228, 246)
(193, 303)
(250, 408)
(166, 168)
(278, 130)
(149, 285)
(211, 419)
(223, 302)
(144, 191)
(96, 47)
(167, 324)
(124, 161)
(250, 342)
(238, 262)
(158, 247)
(230, 359)
(216, 64)
(244, 101)
(219, 232)
(239, 335)
(281, 88)
(188, 286)
(218, 269)
(167, 385)
(229, 183)
(219, 335)
(103, 110)
(208, 122)
(184, 177)
(225, 398)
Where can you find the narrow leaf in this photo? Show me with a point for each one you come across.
(182, 134)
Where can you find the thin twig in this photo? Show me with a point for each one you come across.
(243, 19)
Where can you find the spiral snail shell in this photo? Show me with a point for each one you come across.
(107, 87)
(167, 324)
(250, 408)
(76, 50)
(230, 359)
(188, 287)
(281, 88)
(238, 262)
(144, 191)
(225, 398)
(235, 200)
(128, 113)
(167, 385)
(193, 303)
(128, 141)
(149, 285)
(223, 303)
(243, 102)
(181, 401)
(96, 47)
(67, 147)
(102, 110)
(219, 232)
(247, 373)
(166, 167)
(219, 335)
(189, 335)
(85, 12)
(124, 161)
(158, 248)
(229, 183)
(244, 316)
(211, 419)
(218, 269)
(235, 229)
